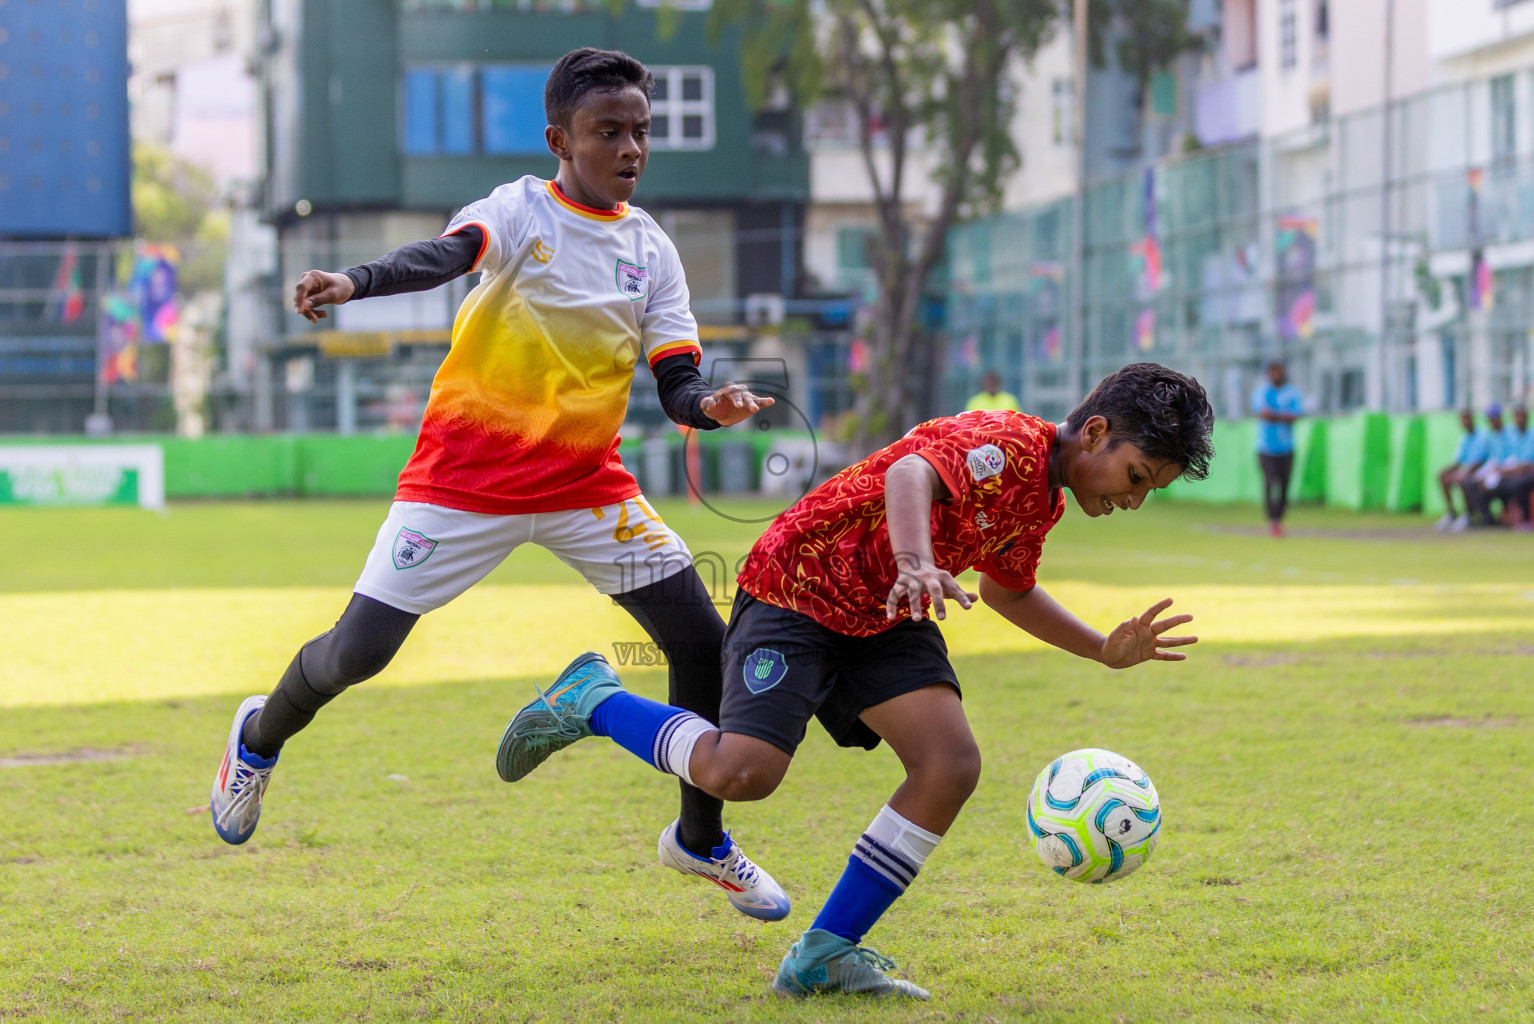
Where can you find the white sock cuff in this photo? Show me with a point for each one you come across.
(674, 743)
(903, 836)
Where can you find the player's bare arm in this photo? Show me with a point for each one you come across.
(911, 485)
(1133, 641)
(320, 288)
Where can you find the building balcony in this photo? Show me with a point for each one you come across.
(1228, 110)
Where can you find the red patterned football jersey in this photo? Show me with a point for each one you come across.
(829, 556)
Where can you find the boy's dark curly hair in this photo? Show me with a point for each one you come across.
(580, 71)
(1162, 412)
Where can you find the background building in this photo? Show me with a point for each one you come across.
(1381, 240)
(382, 119)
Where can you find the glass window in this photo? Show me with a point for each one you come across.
(512, 118)
(1504, 133)
(439, 111)
(682, 108)
(1060, 110)
(457, 88)
(420, 112)
(1288, 45)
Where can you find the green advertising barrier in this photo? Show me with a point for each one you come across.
(1358, 461)
(1307, 483)
(1441, 433)
(231, 466)
(1233, 472)
(354, 466)
(1363, 461)
(1407, 435)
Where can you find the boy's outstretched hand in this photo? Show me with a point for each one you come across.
(1140, 639)
(733, 403)
(318, 288)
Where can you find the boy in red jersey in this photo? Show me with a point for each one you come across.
(832, 621)
(519, 441)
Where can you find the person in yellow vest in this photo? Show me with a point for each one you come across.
(991, 398)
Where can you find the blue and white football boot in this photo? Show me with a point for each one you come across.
(750, 890)
(822, 961)
(560, 716)
(241, 781)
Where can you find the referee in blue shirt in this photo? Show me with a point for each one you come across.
(1276, 404)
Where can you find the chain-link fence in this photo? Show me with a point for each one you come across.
(1396, 284)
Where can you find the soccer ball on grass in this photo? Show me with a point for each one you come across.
(1093, 815)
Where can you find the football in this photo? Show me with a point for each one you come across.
(1093, 815)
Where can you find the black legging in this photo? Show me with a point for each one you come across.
(677, 612)
(1275, 483)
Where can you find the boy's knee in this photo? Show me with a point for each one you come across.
(964, 769)
(739, 783)
(953, 776)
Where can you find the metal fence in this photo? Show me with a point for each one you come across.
(122, 337)
(1402, 283)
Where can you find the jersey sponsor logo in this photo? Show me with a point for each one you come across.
(985, 462)
(411, 548)
(633, 280)
(764, 669)
(541, 252)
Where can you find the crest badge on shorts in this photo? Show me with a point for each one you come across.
(633, 280)
(764, 669)
(985, 462)
(411, 548)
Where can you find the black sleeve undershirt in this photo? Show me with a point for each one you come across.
(424, 265)
(682, 391)
(419, 266)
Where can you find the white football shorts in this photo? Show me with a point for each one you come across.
(426, 555)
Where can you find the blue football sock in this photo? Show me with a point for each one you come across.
(646, 728)
(859, 899)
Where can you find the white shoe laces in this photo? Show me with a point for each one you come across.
(740, 866)
(248, 786)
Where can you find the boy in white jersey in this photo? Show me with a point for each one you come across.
(519, 441)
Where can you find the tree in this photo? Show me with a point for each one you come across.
(1154, 33)
(935, 73)
(178, 202)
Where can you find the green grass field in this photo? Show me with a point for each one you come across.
(1343, 764)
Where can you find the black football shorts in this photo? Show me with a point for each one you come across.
(782, 668)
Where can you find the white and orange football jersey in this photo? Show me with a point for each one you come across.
(525, 410)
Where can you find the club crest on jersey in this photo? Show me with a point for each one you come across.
(764, 669)
(985, 462)
(411, 548)
(633, 280)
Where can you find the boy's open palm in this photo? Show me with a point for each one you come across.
(1139, 639)
(733, 403)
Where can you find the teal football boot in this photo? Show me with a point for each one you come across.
(823, 962)
(560, 716)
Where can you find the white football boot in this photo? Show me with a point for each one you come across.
(240, 782)
(750, 890)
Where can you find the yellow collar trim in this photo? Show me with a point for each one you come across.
(589, 212)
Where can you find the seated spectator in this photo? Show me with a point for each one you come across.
(1468, 457)
(991, 397)
(1479, 484)
(1517, 484)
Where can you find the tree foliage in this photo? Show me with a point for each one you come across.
(1154, 33)
(934, 74)
(177, 201)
